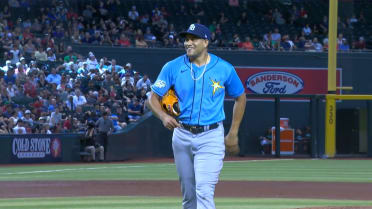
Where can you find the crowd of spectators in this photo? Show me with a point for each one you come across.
(60, 97)
(118, 23)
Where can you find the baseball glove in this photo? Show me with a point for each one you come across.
(169, 102)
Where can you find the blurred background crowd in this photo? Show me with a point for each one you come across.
(48, 87)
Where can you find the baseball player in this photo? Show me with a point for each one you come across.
(200, 80)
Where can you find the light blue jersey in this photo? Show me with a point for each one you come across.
(201, 101)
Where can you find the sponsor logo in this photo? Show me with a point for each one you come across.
(35, 147)
(192, 27)
(160, 84)
(184, 70)
(56, 148)
(274, 82)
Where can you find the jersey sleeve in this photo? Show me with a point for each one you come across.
(164, 80)
(233, 84)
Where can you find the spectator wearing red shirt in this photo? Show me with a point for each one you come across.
(123, 41)
(247, 44)
(360, 44)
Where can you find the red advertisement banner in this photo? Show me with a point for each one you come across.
(286, 80)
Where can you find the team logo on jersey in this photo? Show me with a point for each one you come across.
(216, 85)
(160, 84)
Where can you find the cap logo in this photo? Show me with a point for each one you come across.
(192, 27)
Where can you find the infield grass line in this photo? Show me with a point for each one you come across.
(143, 202)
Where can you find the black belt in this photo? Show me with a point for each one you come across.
(197, 129)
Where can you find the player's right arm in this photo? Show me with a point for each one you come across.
(159, 88)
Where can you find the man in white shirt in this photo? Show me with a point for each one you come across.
(79, 98)
(144, 80)
(92, 62)
(19, 128)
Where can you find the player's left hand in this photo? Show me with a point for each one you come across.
(232, 144)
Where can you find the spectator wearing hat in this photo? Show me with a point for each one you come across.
(27, 118)
(91, 61)
(128, 69)
(8, 64)
(50, 55)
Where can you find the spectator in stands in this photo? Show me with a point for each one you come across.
(133, 14)
(53, 77)
(27, 118)
(134, 110)
(79, 98)
(55, 117)
(144, 81)
(275, 39)
(307, 30)
(247, 44)
(19, 128)
(286, 44)
(318, 47)
(123, 41)
(50, 55)
(344, 46)
(40, 54)
(196, 10)
(222, 18)
(45, 129)
(140, 42)
(91, 61)
(360, 44)
(278, 17)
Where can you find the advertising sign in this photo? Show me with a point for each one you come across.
(286, 80)
(28, 148)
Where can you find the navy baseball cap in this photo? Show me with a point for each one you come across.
(198, 30)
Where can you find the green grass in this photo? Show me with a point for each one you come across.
(166, 203)
(261, 170)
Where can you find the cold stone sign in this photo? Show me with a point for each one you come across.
(32, 148)
(274, 82)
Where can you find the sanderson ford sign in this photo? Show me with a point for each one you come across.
(286, 80)
(274, 82)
